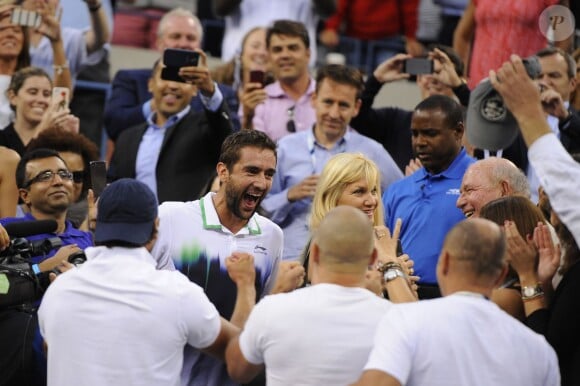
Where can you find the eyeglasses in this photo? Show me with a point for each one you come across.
(48, 175)
(78, 176)
(290, 125)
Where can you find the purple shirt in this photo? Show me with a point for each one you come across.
(271, 117)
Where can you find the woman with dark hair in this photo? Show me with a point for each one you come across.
(13, 56)
(77, 151)
(526, 216)
(30, 96)
(556, 317)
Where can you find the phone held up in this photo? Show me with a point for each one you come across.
(60, 97)
(418, 66)
(174, 59)
(24, 17)
(257, 76)
(98, 171)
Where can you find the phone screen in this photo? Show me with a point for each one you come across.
(98, 177)
(418, 66)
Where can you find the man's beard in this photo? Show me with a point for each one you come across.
(233, 201)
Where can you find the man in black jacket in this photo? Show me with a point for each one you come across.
(176, 150)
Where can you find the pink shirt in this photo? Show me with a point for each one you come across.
(272, 116)
(503, 28)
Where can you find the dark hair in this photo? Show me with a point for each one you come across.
(484, 251)
(520, 210)
(288, 28)
(450, 52)
(341, 74)
(20, 76)
(62, 140)
(230, 151)
(23, 58)
(570, 63)
(31, 156)
(452, 110)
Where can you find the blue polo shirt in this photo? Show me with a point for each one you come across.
(426, 204)
(71, 235)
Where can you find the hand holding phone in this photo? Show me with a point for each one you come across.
(98, 170)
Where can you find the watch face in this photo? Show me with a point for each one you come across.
(392, 274)
(529, 291)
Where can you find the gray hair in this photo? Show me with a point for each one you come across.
(502, 169)
(179, 12)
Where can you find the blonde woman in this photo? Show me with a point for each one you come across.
(354, 180)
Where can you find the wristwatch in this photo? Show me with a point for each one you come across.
(391, 274)
(532, 292)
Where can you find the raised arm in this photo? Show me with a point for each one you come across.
(464, 33)
(98, 34)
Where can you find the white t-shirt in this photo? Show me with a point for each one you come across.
(192, 239)
(117, 321)
(461, 339)
(319, 335)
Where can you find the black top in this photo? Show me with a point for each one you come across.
(560, 324)
(10, 139)
(390, 126)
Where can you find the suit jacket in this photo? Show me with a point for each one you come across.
(129, 91)
(187, 158)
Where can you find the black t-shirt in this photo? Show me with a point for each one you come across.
(10, 139)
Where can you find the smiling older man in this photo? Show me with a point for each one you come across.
(487, 180)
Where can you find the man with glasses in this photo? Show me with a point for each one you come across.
(302, 155)
(45, 186)
(282, 107)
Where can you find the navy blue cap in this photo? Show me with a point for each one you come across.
(127, 210)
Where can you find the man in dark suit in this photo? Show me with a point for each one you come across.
(176, 150)
(130, 100)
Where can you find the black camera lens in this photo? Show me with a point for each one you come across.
(77, 258)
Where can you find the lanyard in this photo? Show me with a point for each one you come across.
(310, 143)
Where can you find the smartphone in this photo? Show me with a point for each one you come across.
(171, 73)
(418, 66)
(98, 177)
(24, 17)
(174, 57)
(257, 76)
(61, 97)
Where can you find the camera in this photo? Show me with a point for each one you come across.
(24, 285)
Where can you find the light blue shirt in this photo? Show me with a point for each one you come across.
(150, 147)
(299, 156)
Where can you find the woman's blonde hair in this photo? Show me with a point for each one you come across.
(341, 170)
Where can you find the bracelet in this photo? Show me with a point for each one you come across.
(59, 68)
(95, 8)
(383, 267)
